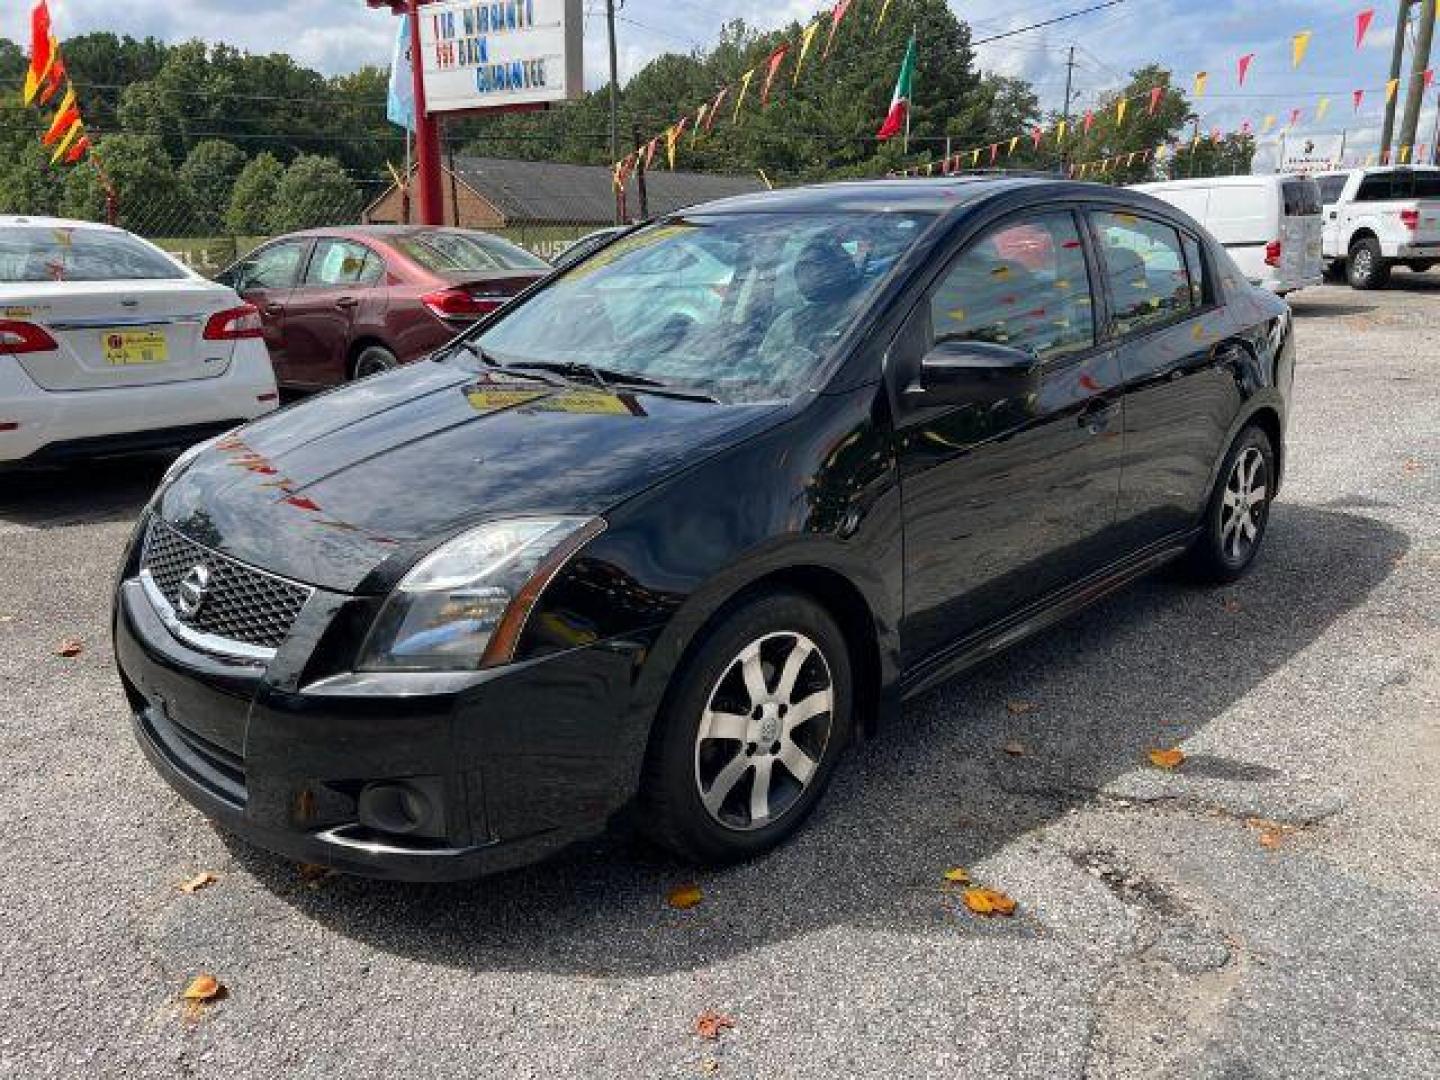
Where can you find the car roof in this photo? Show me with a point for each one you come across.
(381, 232)
(896, 194)
(1247, 180)
(55, 222)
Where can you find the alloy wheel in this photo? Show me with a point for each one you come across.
(1242, 511)
(764, 731)
(373, 362)
(1364, 262)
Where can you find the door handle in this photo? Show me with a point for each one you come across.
(347, 302)
(1096, 416)
(272, 309)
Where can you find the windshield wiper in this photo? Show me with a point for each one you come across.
(607, 377)
(477, 350)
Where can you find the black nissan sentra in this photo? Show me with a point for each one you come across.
(675, 527)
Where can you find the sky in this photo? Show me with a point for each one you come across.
(1186, 35)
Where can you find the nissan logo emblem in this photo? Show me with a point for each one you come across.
(192, 590)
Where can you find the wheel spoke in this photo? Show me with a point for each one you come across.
(723, 725)
(1247, 526)
(1232, 497)
(1257, 495)
(725, 782)
(814, 705)
(800, 764)
(760, 790)
(753, 672)
(785, 688)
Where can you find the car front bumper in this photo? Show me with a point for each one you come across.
(40, 426)
(516, 762)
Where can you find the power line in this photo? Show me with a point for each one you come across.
(1047, 22)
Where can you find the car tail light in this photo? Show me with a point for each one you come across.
(24, 337)
(459, 304)
(233, 324)
(1410, 219)
(1272, 253)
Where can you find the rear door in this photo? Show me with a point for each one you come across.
(119, 311)
(340, 276)
(266, 278)
(1004, 504)
(1169, 327)
(1301, 229)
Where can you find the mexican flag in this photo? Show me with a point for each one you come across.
(900, 102)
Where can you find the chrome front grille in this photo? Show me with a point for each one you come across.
(241, 611)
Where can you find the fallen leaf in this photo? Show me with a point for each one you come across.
(1020, 708)
(203, 988)
(70, 647)
(684, 896)
(957, 876)
(1015, 748)
(1166, 759)
(989, 902)
(198, 882)
(709, 1065)
(710, 1023)
(1271, 840)
(1413, 466)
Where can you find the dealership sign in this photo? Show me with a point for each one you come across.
(505, 53)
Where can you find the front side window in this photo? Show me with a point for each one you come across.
(1024, 284)
(31, 253)
(743, 307)
(276, 267)
(1144, 266)
(343, 262)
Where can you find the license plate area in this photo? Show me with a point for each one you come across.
(126, 348)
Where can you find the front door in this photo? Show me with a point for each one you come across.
(1006, 503)
(266, 279)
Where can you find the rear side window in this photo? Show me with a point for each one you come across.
(1023, 284)
(1301, 198)
(1377, 187)
(56, 253)
(1144, 265)
(1331, 188)
(1200, 292)
(1427, 185)
(466, 252)
(343, 262)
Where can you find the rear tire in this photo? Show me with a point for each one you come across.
(1238, 511)
(729, 724)
(1367, 268)
(372, 360)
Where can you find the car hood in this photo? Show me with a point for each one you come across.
(329, 490)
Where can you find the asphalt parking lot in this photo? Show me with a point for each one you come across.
(1267, 910)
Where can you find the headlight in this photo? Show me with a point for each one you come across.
(463, 606)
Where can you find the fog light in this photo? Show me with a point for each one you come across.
(395, 808)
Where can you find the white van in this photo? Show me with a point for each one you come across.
(1271, 225)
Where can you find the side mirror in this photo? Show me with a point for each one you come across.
(976, 373)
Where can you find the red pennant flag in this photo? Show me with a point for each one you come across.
(44, 51)
(1155, 95)
(1216, 137)
(773, 67)
(715, 109)
(836, 14)
(650, 151)
(1245, 128)
(1036, 136)
(1245, 62)
(1362, 25)
(1089, 120)
(1358, 96)
(1294, 117)
(65, 119)
(77, 151)
(994, 152)
(1429, 78)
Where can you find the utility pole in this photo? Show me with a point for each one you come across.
(1397, 66)
(1069, 79)
(1410, 125)
(614, 100)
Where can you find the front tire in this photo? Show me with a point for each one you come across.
(1238, 511)
(372, 360)
(1367, 268)
(750, 733)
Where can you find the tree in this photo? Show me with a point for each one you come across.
(253, 196)
(210, 171)
(29, 184)
(314, 191)
(151, 199)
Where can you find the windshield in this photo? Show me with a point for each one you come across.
(58, 253)
(743, 307)
(451, 252)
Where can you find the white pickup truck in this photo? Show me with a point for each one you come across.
(1376, 219)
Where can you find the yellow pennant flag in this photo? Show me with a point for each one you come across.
(805, 39)
(1060, 129)
(699, 123)
(1013, 143)
(1120, 107)
(1299, 46)
(884, 10)
(77, 127)
(1322, 108)
(672, 136)
(1404, 154)
(1268, 124)
(740, 100)
(1390, 88)
(975, 157)
(1201, 78)
(1160, 152)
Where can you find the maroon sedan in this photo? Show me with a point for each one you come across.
(344, 303)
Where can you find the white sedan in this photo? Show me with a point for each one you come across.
(109, 345)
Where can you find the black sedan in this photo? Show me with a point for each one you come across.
(675, 526)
